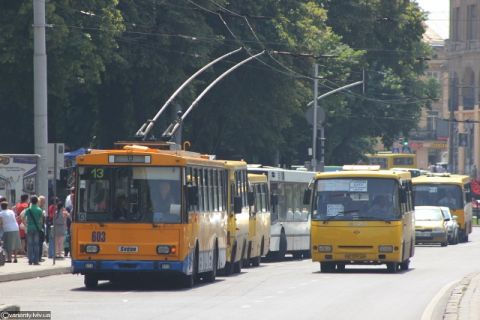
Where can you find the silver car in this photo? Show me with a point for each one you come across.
(452, 225)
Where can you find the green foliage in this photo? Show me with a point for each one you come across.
(112, 64)
(390, 32)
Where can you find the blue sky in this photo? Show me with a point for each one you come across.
(438, 15)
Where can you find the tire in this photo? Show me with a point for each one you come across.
(229, 266)
(392, 267)
(307, 254)
(90, 281)
(188, 280)
(405, 265)
(246, 262)
(327, 267)
(282, 250)
(237, 266)
(211, 275)
(340, 267)
(297, 255)
(256, 261)
(444, 244)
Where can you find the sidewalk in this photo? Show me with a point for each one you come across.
(22, 270)
(464, 300)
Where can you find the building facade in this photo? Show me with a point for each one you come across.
(463, 52)
(429, 140)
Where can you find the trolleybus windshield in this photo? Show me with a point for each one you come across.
(129, 194)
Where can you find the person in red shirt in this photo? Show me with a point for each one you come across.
(18, 209)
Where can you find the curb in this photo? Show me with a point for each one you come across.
(9, 308)
(452, 309)
(34, 274)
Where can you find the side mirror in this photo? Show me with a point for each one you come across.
(306, 196)
(237, 205)
(251, 198)
(192, 195)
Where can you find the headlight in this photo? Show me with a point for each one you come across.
(92, 248)
(323, 248)
(386, 249)
(166, 249)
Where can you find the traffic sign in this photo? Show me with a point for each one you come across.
(320, 115)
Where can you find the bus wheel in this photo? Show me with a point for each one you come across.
(444, 244)
(392, 267)
(283, 246)
(405, 265)
(211, 275)
(327, 267)
(188, 281)
(341, 267)
(307, 254)
(90, 281)
(246, 262)
(237, 266)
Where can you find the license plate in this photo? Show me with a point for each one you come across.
(424, 234)
(355, 256)
(128, 249)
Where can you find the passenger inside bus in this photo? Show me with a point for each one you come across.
(381, 207)
(166, 207)
(448, 200)
(121, 210)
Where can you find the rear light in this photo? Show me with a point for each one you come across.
(92, 248)
(166, 249)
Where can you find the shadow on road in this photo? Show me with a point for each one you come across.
(147, 283)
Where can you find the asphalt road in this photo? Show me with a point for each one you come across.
(277, 290)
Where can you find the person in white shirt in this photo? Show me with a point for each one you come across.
(11, 235)
(68, 200)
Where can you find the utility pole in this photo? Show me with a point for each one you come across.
(315, 105)
(451, 166)
(315, 166)
(40, 96)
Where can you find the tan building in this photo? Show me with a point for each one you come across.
(463, 51)
(429, 140)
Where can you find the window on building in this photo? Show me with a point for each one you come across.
(471, 23)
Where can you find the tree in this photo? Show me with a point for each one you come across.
(390, 32)
(80, 39)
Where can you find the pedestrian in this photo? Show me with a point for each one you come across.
(41, 205)
(11, 234)
(19, 209)
(32, 217)
(60, 227)
(69, 200)
(52, 208)
(66, 243)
